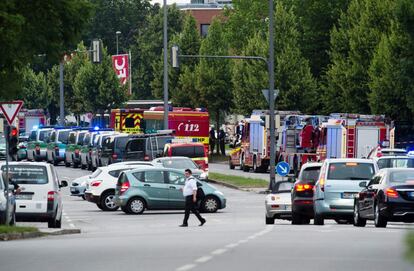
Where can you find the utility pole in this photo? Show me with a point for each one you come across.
(62, 99)
(165, 67)
(271, 95)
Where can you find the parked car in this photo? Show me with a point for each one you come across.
(196, 151)
(160, 189)
(7, 205)
(78, 186)
(180, 162)
(72, 151)
(395, 162)
(97, 150)
(339, 182)
(100, 188)
(37, 144)
(278, 203)
(388, 196)
(3, 152)
(22, 147)
(40, 199)
(86, 149)
(57, 145)
(113, 149)
(302, 193)
(380, 152)
(146, 147)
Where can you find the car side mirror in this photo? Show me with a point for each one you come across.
(363, 184)
(63, 183)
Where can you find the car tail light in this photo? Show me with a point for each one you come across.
(51, 196)
(96, 183)
(124, 187)
(114, 156)
(303, 187)
(22, 147)
(77, 151)
(322, 184)
(146, 158)
(391, 193)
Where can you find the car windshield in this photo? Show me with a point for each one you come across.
(396, 163)
(284, 187)
(28, 174)
(350, 171)
(179, 164)
(81, 136)
(63, 136)
(96, 173)
(402, 177)
(137, 145)
(32, 136)
(310, 174)
(44, 135)
(188, 151)
(121, 143)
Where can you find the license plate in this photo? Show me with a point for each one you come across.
(23, 196)
(348, 195)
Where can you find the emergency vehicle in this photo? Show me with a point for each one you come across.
(126, 120)
(30, 119)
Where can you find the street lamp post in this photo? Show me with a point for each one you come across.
(271, 95)
(117, 34)
(165, 67)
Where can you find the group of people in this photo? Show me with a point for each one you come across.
(219, 141)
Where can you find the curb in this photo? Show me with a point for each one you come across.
(246, 189)
(29, 235)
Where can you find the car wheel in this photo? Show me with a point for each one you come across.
(379, 220)
(231, 166)
(318, 219)
(341, 221)
(270, 220)
(67, 164)
(54, 222)
(136, 206)
(297, 219)
(241, 162)
(83, 166)
(83, 197)
(306, 221)
(108, 202)
(125, 209)
(99, 206)
(55, 162)
(210, 204)
(358, 221)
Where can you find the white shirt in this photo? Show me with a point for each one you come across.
(190, 186)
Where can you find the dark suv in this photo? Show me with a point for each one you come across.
(113, 149)
(146, 147)
(302, 193)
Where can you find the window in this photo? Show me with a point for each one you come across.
(402, 177)
(179, 164)
(63, 136)
(44, 135)
(28, 174)
(176, 178)
(137, 145)
(72, 138)
(284, 187)
(139, 176)
(204, 30)
(33, 136)
(350, 171)
(87, 139)
(53, 136)
(81, 136)
(310, 174)
(188, 151)
(154, 177)
(96, 173)
(129, 123)
(115, 173)
(121, 143)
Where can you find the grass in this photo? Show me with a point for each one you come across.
(214, 158)
(410, 247)
(16, 229)
(239, 181)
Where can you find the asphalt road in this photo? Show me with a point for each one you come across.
(223, 168)
(235, 238)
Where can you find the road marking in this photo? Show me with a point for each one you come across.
(186, 267)
(233, 245)
(203, 259)
(71, 225)
(219, 251)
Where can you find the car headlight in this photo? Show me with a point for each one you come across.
(219, 193)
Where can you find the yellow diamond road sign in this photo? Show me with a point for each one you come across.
(10, 110)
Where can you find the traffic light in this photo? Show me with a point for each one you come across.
(13, 140)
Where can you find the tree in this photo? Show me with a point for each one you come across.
(50, 30)
(352, 46)
(214, 76)
(99, 86)
(35, 92)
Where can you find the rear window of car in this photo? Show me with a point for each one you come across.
(179, 164)
(121, 143)
(402, 177)
(81, 136)
(396, 163)
(63, 136)
(28, 174)
(32, 136)
(137, 145)
(96, 173)
(115, 173)
(188, 151)
(310, 174)
(284, 187)
(44, 135)
(350, 171)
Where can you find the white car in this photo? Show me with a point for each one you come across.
(40, 198)
(279, 203)
(78, 186)
(100, 187)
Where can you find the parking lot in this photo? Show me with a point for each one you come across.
(235, 238)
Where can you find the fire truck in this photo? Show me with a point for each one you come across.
(189, 124)
(126, 120)
(29, 119)
(254, 150)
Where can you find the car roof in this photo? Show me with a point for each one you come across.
(173, 158)
(26, 163)
(130, 163)
(122, 166)
(312, 164)
(395, 157)
(185, 144)
(143, 168)
(346, 160)
(393, 150)
(389, 170)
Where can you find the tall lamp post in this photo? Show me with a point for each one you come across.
(117, 34)
(271, 95)
(165, 67)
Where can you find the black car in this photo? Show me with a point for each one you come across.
(146, 147)
(302, 193)
(388, 196)
(113, 149)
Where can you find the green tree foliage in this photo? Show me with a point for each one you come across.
(35, 92)
(148, 48)
(29, 28)
(98, 86)
(353, 43)
(214, 76)
(391, 70)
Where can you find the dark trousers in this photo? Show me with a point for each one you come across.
(191, 206)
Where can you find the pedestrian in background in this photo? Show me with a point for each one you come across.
(212, 139)
(222, 141)
(190, 195)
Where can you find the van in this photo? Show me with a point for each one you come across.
(196, 151)
(113, 149)
(146, 147)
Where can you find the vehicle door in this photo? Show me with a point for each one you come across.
(156, 189)
(57, 199)
(176, 181)
(135, 149)
(367, 202)
(107, 150)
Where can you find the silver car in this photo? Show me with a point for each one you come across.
(278, 203)
(7, 208)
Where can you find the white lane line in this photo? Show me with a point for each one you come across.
(203, 259)
(233, 245)
(242, 241)
(219, 251)
(71, 225)
(186, 267)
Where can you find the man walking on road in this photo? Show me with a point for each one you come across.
(190, 195)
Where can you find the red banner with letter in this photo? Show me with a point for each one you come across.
(120, 63)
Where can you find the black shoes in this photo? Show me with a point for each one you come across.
(202, 222)
(183, 225)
